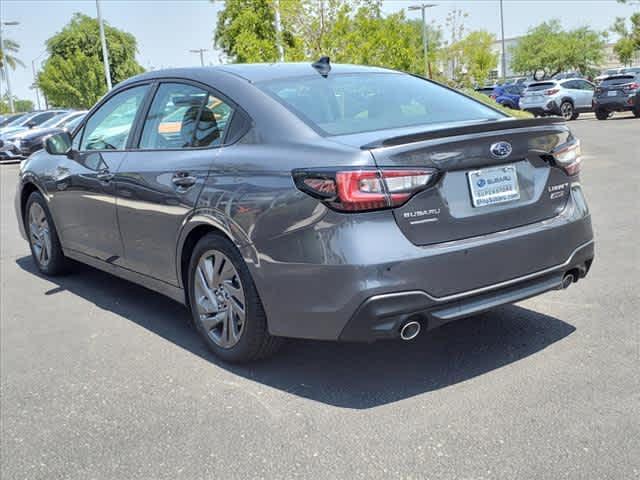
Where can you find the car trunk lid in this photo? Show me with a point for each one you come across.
(506, 160)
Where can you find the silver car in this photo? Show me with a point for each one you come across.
(567, 98)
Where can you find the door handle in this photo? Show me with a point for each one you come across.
(184, 180)
(105, 176)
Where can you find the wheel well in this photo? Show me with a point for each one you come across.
(27, 190)
(567, 99)
(193, 237)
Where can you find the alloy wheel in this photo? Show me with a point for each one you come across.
(40, 234)
(567, 110)
(220, 299)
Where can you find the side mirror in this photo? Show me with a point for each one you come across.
(31, 124)
(58, 144)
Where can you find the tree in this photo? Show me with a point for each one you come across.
(245, 31)
(629, 42)
(73, 74)
(7, 55)
(477, 55)
(19, 105)
(390, 41)
(547, 47)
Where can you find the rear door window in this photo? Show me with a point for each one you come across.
(184, 116)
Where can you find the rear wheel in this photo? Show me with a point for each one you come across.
(636, 112)
(602, 114)
(46, 250)
(225, 306)
(567, 111)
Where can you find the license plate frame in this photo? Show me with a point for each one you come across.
(493, 185)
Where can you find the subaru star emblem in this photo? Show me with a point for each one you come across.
(501, 149)
(482, 182)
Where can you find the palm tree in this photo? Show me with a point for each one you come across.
(9, 48)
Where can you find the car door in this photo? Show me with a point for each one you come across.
(586, 91)
(83, 199)
(157, 185)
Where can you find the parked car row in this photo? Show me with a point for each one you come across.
(569, 97)
(23, 134)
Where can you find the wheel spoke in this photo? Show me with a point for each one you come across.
(228, 271)
(217, 265)
(211, 322)
(235, 292)
(201, 282)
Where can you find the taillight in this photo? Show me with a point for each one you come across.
(364, 189)
(632, 86)
(551, 91)
(569, 157)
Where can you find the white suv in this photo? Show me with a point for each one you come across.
(568, 97)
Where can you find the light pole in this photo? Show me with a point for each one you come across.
(504, 52)
(425, 46)
(278, 27)
(35, 78)
(6, 67)
(201, 52)
(105, 52)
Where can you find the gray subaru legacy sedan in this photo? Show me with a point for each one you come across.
(319, 201)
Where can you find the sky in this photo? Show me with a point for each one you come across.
(167, 29)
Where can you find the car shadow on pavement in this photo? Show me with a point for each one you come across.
(348, 375)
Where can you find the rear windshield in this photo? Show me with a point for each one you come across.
(355, 103)
(617, 80)
(540, 86)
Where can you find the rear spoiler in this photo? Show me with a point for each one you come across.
(464, 130)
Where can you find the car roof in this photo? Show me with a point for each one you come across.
(253, 72)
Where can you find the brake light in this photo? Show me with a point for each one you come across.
(569, 157)
(551, 91)
(364, 189)
(632, 86)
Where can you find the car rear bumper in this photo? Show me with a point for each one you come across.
(326, 281)
(616, 103)
(546, 107)
(383, 316)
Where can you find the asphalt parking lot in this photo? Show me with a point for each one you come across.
(103, 379)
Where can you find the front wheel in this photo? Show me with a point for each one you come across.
(225, 305)
(46, 250)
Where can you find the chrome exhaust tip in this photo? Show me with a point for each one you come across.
(410, 330)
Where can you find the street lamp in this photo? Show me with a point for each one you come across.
(6, 68)
(504, 53)
(423, 7)
(200, 51)
(35, 78)
(105, 52)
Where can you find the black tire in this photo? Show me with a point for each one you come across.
(57, 263)
(602, 114)
(567, 111)
(636, 112)
(255, 341)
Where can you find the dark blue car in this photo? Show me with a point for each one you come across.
(508, 95)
